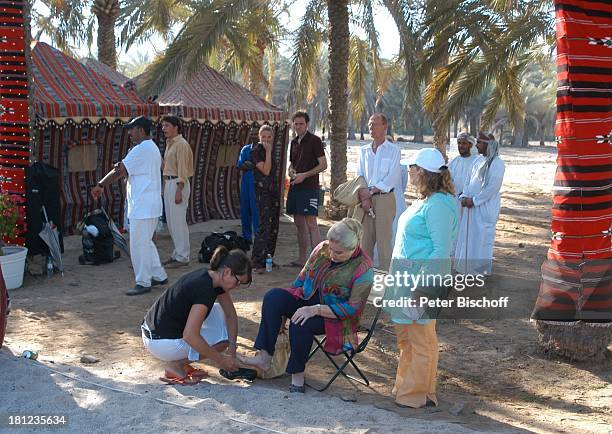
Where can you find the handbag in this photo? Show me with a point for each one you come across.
(279, 359)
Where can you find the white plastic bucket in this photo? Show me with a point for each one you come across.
(13, 265)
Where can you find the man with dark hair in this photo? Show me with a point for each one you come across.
(178, 168)
(481, 201)
(307, 160)
(141, 167)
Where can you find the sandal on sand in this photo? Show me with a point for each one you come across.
(194, 372)
(295, 264)
(183, 381)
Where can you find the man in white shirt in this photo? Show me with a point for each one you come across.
(379, 164)
(461, 165)
(480, 202)
(142, 168)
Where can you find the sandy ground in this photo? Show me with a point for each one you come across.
(492, 374)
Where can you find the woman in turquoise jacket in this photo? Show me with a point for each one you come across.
(425, 235)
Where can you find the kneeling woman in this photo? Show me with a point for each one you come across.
(327, 297)
(185, 324)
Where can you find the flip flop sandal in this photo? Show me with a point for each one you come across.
(295, 264)
(183, 381)
(195, 372)
(240, 374)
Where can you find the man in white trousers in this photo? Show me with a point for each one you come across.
(178, 168)
(142, 168)
(480, 202)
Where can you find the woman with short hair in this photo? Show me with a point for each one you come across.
(327, 297)
(195, 318)
(423, 244)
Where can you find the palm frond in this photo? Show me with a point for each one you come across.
(306, 49)
(195, 42)
(359, 58)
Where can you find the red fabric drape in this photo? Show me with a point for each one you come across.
(577, 276)
(14, 118)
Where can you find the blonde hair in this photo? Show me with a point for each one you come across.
(266, 128)
(428, 183)
(347, 232)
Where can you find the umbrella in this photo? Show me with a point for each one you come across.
(51, 238)
(118, 238)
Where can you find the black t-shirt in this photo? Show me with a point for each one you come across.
(168, 316)
(304, 156)
(263, 182)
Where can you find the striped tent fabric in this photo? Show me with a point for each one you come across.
(219, 118)
(215, 188)
(66, 89)
(14, 117)
(209, 95)
(80, 105)
(77, 106)
(112, 144)
(577, 275)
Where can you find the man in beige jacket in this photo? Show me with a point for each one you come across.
(178, 168)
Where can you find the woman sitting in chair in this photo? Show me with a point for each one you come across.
(327, 297)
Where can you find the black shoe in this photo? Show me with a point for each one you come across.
(159, 282)
(297, 389)
(240, 374)
(138, 289)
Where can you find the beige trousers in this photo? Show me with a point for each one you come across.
(176, 218)
(377, 231)
(417, 368)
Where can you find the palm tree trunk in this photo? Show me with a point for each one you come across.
(107, 12)
(439, 125)
(107, 51)
(362, 126)
(338, 17)
(255, 84)
(473, 124)
(418, 129)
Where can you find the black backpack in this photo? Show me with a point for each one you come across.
(229, 239)
(97, 250)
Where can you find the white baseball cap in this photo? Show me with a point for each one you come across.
(429, 159)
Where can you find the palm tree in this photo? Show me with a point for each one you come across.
(65, 23)
(307, 47)
(232, 35)
(338, 18)
(107, 12)
(477, 44)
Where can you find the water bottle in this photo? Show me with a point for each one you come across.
(49, 267)
(269, 263)
(29, 354)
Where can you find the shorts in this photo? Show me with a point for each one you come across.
(303, 201)
(213, 331)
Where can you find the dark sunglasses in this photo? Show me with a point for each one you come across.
(238, 282)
